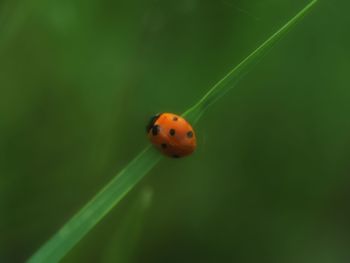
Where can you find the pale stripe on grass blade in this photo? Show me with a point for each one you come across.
(80, 224)
(125, 239)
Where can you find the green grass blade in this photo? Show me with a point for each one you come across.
(230, 80)
(79, 225)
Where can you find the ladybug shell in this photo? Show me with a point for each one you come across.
(172, 135)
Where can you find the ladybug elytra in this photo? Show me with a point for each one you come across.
(172, 135)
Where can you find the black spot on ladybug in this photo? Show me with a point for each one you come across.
(172, 132)
(164, 145)
(155, 130)
(175, 119)
(190, 134)
(151, 122)
(176, 156)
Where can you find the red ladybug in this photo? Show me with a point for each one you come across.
(172, 135)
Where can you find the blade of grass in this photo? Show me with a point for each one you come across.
(230, 80)
(80, 224)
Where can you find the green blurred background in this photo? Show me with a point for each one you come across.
(270, 179)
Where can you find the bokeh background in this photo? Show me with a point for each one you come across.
(270, 179)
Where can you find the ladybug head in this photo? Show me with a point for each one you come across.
(151, 122)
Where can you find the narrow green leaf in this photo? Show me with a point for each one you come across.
(230, 80)
(79, 225)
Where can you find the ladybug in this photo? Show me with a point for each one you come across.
(172, 135)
